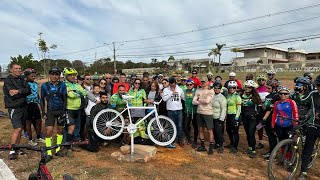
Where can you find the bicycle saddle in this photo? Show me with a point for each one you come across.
(127, 97)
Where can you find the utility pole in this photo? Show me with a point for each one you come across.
(114, 58)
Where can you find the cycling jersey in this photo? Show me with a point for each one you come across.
(117, 102)
(34, 96)
(234, 104)
(263, 92)
(269, 101)
(74, 93)
(303, 107)
(248, 108)
(189, 107)
(139, 97)
(54, 94)
(285, 113)
(314, 100)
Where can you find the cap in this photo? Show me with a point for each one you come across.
(160, 75)
(209, 74)
(194, 72)
(54, 70)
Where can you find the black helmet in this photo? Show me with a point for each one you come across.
(317, 81)
(308, 74)
(29, 71)
(302, 80)
(55, 70)
(172, 80)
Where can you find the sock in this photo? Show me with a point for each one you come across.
(48, 144)
(211, 144)
(202, 142)
(59, 141)
(250, 148)
(261, 141)
(11, 152)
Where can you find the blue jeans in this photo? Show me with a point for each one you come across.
(176, 117)
(74, 118)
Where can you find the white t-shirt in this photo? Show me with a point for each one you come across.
(173, 99)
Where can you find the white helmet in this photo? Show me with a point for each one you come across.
(232, 74)
(232, 84)
(209, 74)
(283, 88)
(271, 71)
(251, 83)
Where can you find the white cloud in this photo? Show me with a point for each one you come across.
(77, 25)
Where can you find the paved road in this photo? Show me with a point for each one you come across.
(5, 172)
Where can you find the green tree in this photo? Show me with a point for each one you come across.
(171, 58)
(79, 66)
(154, 60)
(24, 61)
(218, 52)
(44, 49)
(236, 50)
(214, 52)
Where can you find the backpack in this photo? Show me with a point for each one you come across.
(54, 99)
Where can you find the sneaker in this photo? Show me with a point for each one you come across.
(60, 154)
(266, 154)
(248, 151)
(171, 146)
(215, 146)
(13, 156)
(267, 157)
(32, 143)
(194, 145)
(253, 154)
(210, 152)
(260, 146)
(228, 146)
(40, 140)
(302, 176)
(220, 150)
(233, 150)
(201, 149)
(48, 158)
(69, 153)
(21, 152)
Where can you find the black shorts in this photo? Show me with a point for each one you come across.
(52, 117)
(33, 112)
(73, 116)
(205, 121)
(18, 116)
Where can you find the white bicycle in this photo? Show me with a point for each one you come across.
(108, 124)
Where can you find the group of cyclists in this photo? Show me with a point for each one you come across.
(71, 102)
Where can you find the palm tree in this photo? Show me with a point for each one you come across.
(171, 58)
(219, 47)
(213, 51)
(236, 50)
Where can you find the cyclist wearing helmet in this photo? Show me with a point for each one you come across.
(54, 98)
(313, 133)
(74, 93)
(263, 92)
(233, 114)
(309, 76)
(284, 115)
(190, 111)
(33, 110)
(300, 91)
(210, 80)
(224, 90)
(232, 77)
(250, 101)
(267, 108)
(272, 76)
(219, 106)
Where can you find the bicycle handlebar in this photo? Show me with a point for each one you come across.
(157, 103)
(38, 148)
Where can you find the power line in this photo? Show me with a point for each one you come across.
(251, 45)
(196, 30)
(228, 35)
(221, 25)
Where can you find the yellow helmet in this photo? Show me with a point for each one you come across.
(69, 70)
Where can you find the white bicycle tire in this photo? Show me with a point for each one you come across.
(100, 119)
(163, 121)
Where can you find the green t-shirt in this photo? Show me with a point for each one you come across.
(117, 102)
(139, 97)
(234, 104)
(189, 107)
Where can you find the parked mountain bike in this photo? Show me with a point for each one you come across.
(108, 124)
(285, 159)
(42, 172)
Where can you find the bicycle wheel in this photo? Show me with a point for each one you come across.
(314, 154)
(162, 131)
(284, 160)
(108, 124)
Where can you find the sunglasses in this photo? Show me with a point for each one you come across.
(270, 74)
(217, 88)
(108, 78)
(189, 84)
(164, 83)
(232, 88)
(137, 83)
(283, 94)
(88, 79)
(103, 83)
(261, 80)
(194, 73)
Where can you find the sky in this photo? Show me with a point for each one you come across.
(143, 29)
